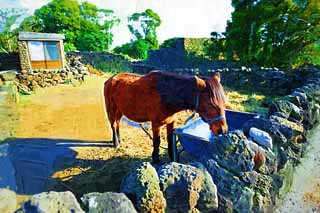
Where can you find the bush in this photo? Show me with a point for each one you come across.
(114, 66)
(137, 49)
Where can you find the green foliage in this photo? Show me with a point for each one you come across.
(8, 36)
(274, 33)
(86, 27)
(215, 47)
(196, 46)
(143, 26)
(172, 42)
(117, 65)
(136, 49)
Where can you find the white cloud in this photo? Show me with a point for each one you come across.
(180, 18)
(31, 6)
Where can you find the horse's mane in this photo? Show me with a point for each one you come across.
(216, 92)
(181, 90)
(176, 91)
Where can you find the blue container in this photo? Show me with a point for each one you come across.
(196, 135)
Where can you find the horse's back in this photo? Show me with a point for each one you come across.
(132, 95)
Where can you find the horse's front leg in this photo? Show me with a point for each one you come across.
(170, 128)
(156, 143)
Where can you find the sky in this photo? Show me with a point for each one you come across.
(180, 18)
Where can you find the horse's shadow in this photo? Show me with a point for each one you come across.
(28, 164)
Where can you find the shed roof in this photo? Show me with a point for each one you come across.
(40, 36)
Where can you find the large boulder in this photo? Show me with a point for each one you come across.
(59, 202)
(296, 130)
(107, 202)
(288, 109)
(187, 187)
(141, 185)
(8, 200)
(231, 151)
(262, 188)
(231, 186)
(208, 199)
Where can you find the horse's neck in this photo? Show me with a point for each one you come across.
(178, 93)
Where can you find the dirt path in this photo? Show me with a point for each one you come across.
(305, 192)
(65, 112)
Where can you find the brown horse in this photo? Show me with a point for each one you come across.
(157, 96)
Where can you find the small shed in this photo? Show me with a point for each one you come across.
(41, 50)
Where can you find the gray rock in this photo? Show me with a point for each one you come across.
(141, 185)
(290, 110)
(245, 202)
(8, 200)
(107, 202)
(187, 188)
(261, 137)
(60, 202)
(280, 134)
(24, 90)
(231, 186)
(208, 199)
(9, 75)
(225, 205)
(262, 188)
(296, 129)
(231, 151)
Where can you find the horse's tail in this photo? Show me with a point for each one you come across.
(106, 94)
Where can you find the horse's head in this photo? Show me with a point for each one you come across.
(211, 103)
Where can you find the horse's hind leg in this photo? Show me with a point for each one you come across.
(112, 112)
(115, 139)
(118, 119)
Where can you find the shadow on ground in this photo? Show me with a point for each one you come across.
(30, 165)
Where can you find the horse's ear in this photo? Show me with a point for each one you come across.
(217, 76)
(201, 84)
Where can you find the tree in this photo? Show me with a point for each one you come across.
(273, 33)
(8, 35)
(137, 49)
(144, 25)
(86, 27)
(215, 48)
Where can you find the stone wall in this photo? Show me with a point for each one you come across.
(248, 176)
(104, 61)
(32, 79)
(24, 55)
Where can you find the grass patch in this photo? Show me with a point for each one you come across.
(248, 102)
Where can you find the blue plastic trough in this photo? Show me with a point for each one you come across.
(195, 136)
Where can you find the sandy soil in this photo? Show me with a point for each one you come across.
(305, 192)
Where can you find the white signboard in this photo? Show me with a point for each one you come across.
(36, 50)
